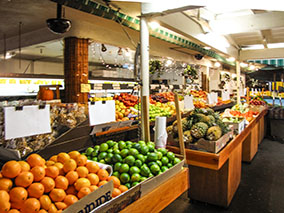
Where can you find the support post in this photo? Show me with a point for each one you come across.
(238, 70)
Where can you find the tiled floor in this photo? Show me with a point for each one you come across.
(261, 189)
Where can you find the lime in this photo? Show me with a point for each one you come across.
(134, 184)
(159, 163)
(151, 143)
(89, 151)
(141, 157)
(133, 152)
(151, 175)
(176, 161)
(143, 178)
(117, 166)
(138, 163)
(84, 153)
(145, 171)
(102, 161)
(102, 155)
(89, 157)
(134, 169)
(144, 150)
(124, 168)
(97, 147)
(95, 152)
(110, 150)
(165, 160)
(130, 160)
(152, 163)
(155, 169)
(116, 158)
(116, 151)
(124, 152)
(137, 146)
(115, 146)
(103, 147)
(116, 174)
(110, 143)
(94, 159)
(108, 158)
(164, 168)
(121, 145)
(163, 151)
(160, 155)
(142, 143)
(151, 147)
(128, 143)
(124, 177)
(152, 157)
(171, 156)
(169, 165)
(128, 185)
(135, 177)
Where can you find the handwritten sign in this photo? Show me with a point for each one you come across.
(188, 102)
(101, 112)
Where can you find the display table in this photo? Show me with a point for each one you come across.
(163, 195)
(214, 178)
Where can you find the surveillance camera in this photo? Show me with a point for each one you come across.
(58, 25)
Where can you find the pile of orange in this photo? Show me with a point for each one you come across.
(51, 186)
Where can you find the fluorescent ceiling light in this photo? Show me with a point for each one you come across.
(243, 64)
(207, 48)
(217, 64)
(275, 45)
(154, 25)
(231, 59)
(252, 67)
(253, 47)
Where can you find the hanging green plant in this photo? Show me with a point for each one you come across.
(191, 72)
(155, 66)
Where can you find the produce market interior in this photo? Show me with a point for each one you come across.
(141, 106)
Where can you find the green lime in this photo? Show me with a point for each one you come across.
(121, 145)
(116, 158)
(124, 168)
(124, 152)
(151, 163)
(102, 155)
(169, 165)
(142, 143)
(141, 157)
(97, 147)
(138, 163)
(144, 150)
(95, 152)
(128, 143)
(84, 153)
(164, 168)
(117, 166)
(135, 177)
(128, 185)
(143, 178)
(160, 155)
(124, 177)
(171, 156)
(176, 161)
(89, 157)
(165, 160)
(151, 143)
(151, 175)
(116, 174)
(155, 169)
(94, 159)
(159, 163)
(116, 151)
(103, 147)
(102, 161)
(152, 157)
(130, 160)
(137, 146)
(89, 151)
(110, 143)
(163, 151)
(133, 152)
(145, 171)
(115, 146)
(151, 147)
(108, 158)
(110, 150)
(134, 184)
(134, 169)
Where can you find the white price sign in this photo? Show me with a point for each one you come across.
(188, 102)
(101, 112)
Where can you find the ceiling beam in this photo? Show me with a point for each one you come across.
(248, 23)
(262, 54)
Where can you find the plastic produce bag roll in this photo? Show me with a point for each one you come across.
(161, 134)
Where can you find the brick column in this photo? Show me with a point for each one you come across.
(75, 69)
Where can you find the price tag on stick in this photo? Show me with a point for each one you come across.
(101, 112)
(188, 102)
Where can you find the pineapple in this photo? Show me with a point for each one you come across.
(214, 133)
(199, 130)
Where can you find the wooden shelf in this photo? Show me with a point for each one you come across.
(162, 196)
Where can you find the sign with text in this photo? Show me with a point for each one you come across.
(101, 112)
(188, 102)
(225, 96)
(212, 98)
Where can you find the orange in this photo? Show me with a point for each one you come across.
(61, 205)
(74, 154)
(25, 167)
(102, 183)
(61, 182)
(5, 184)
(57, 195)
(123, 188)
(45, 202)
(48, 184)
(69, 165)
(36, 190)
(38, 172)
(62, 157)
(1, 175)
(4, 196)
(116, 181)
(71, 190)
(81, 182)
(52, 208)
(42, 211)
(35, 160)
(103, 174)
(11, 169)
(60, 167)
(81, 160)
(93, 188)
(83, 192)
(18, 194)
(93, 167)
(93, 178)
(70, 199)
(31, 205)
(51, 171)
(13, 211)
(50, 163)
(116, 192)
(4, 206)
(82, 171)
(53, 158)
(24, 179)
(72, 176)
(18, 205)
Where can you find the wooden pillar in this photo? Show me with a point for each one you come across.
(75, 69)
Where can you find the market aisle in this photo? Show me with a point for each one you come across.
(261, 188)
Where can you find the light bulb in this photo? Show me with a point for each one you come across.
(217, 64)
(154, 25)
